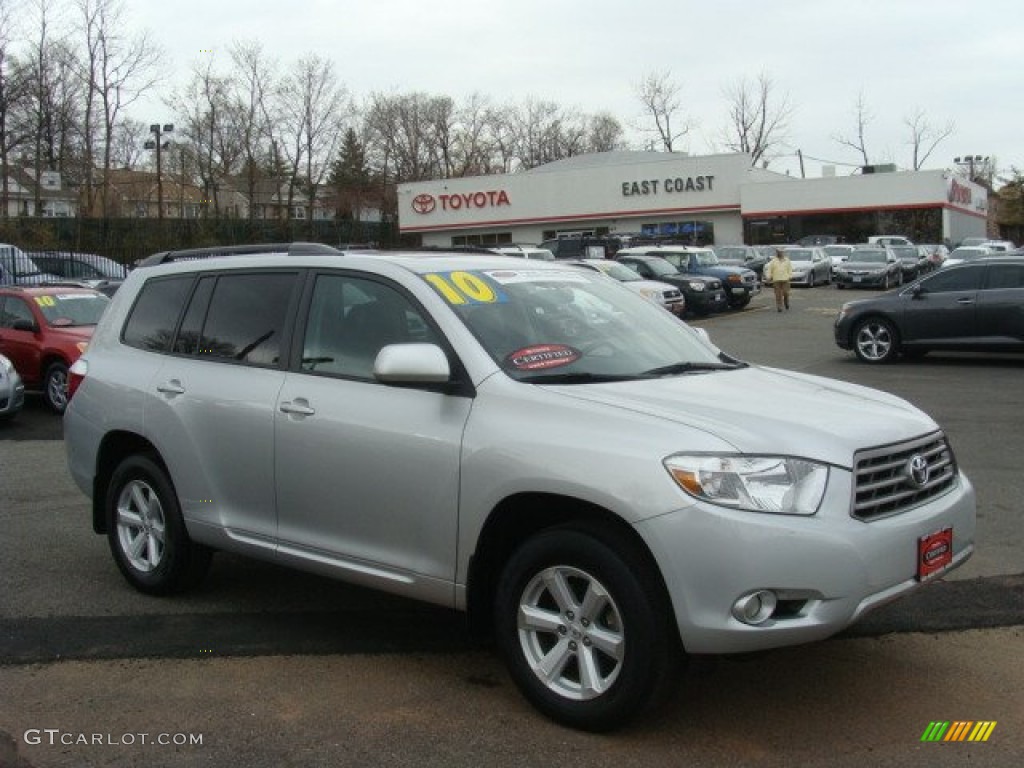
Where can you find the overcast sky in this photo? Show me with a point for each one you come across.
(956, 61)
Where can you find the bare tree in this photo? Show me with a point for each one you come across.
(129, 136)
(758, 117)
(251, 107)
(312, 101)
(660, 97)
(14, 86)
(924, 137)
(604, 133)
(862, 116)
(116, 70)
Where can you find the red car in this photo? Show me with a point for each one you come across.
(43, 330)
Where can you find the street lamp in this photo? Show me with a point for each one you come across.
(159, 145)
(970, 161)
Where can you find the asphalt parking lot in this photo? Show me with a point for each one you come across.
(269, 667)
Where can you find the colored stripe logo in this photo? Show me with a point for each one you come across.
(959, 730)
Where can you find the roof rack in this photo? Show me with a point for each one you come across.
(189, 254)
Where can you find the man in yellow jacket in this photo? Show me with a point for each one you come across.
(779, 272)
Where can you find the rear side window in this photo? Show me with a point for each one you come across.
(1006, 276)
(246, 318)
(155, 314)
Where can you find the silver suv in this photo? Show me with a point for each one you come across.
(529, 442)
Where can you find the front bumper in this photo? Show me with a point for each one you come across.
(827, 570)
(12, 397)
(860, 281)
(707, 301)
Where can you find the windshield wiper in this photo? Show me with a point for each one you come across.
(692, 367)
(576, 378)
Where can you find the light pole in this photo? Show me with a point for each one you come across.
(970, 161)
(159, 145)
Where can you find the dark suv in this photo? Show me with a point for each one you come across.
(741, 284)
(704, 295)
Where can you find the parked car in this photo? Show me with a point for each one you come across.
(668, 296)
(748, 256)
(868, 268)
(43, 330)
(18, 268)
(741, 284)
(533, 444)
(889, 240)
(935, 253)
(1000, 246)
(90, 269)
(580, 247)
(974, 307)
(819, 240)
(703, 294)
(12, 390)
(811, 266)
(910, 261)
(525, 252)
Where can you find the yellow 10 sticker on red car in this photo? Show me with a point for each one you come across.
(45, 301)
(461, 287)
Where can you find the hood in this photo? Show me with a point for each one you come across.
(812, 417)
(72, 333)
(852, 263)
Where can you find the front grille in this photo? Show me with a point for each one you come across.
(672, 295)
(750, 279)
(894, 478)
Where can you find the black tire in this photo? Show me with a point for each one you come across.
(628, 641)
(55, 386)
(740, 303)
(875, 340)
(810, 279)
(146, 531)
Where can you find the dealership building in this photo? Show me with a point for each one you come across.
(705, 199)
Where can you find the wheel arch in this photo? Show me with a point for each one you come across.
(112, 451)
(521, 516)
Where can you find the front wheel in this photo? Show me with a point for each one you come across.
(146, 531)
(55, 386)
(585, 628)
(876, 341)
(740, 303)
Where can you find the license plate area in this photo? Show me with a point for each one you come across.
(934, 553)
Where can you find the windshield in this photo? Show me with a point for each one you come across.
(17, 263)
(837, 250)
(800, 254)
(69, 309)
(870, 257)
(905, 252)
(705, 258)
(620, 272)
(662, 268)
(571, 326)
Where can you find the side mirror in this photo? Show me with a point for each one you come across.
(917, 291)
(24, 325)
(412, 364)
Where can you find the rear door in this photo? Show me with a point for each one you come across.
(1001, 304)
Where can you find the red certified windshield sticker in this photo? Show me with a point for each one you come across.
(542, 356)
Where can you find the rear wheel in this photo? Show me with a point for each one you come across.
(146, 531)
(55, 386)
(876, 341)
(585, 628)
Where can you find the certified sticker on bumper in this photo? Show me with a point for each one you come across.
(934, 553)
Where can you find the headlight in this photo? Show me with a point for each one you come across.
(6, 366)
(776, 484)
(697, 286)
(650, 293)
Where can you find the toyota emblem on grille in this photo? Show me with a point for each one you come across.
(423, 203)
(918, 470)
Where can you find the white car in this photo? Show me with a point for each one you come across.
(528, 442)
(966, 253)
(12, 390)
(663, 294)
(524, 252)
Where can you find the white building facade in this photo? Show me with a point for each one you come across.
(706, 199)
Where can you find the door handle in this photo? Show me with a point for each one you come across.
(965, 301)
(299, 407)
(172, 387)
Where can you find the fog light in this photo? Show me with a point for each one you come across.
(755, 608)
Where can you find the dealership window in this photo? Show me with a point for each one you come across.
(492, 238)
(694, 232)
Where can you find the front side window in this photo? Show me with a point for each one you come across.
(246, 318)
(949, 280)
(14, 309)
(351, 319)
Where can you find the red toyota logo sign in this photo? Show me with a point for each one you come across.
(424, 203)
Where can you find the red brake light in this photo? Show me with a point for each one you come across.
(76, 375)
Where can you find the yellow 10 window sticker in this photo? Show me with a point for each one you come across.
(45, 301)
(461, 287)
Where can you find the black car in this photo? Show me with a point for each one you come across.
(89, 269)
(910, 261)
(744, 256)
(704, 295)
(976, 307)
